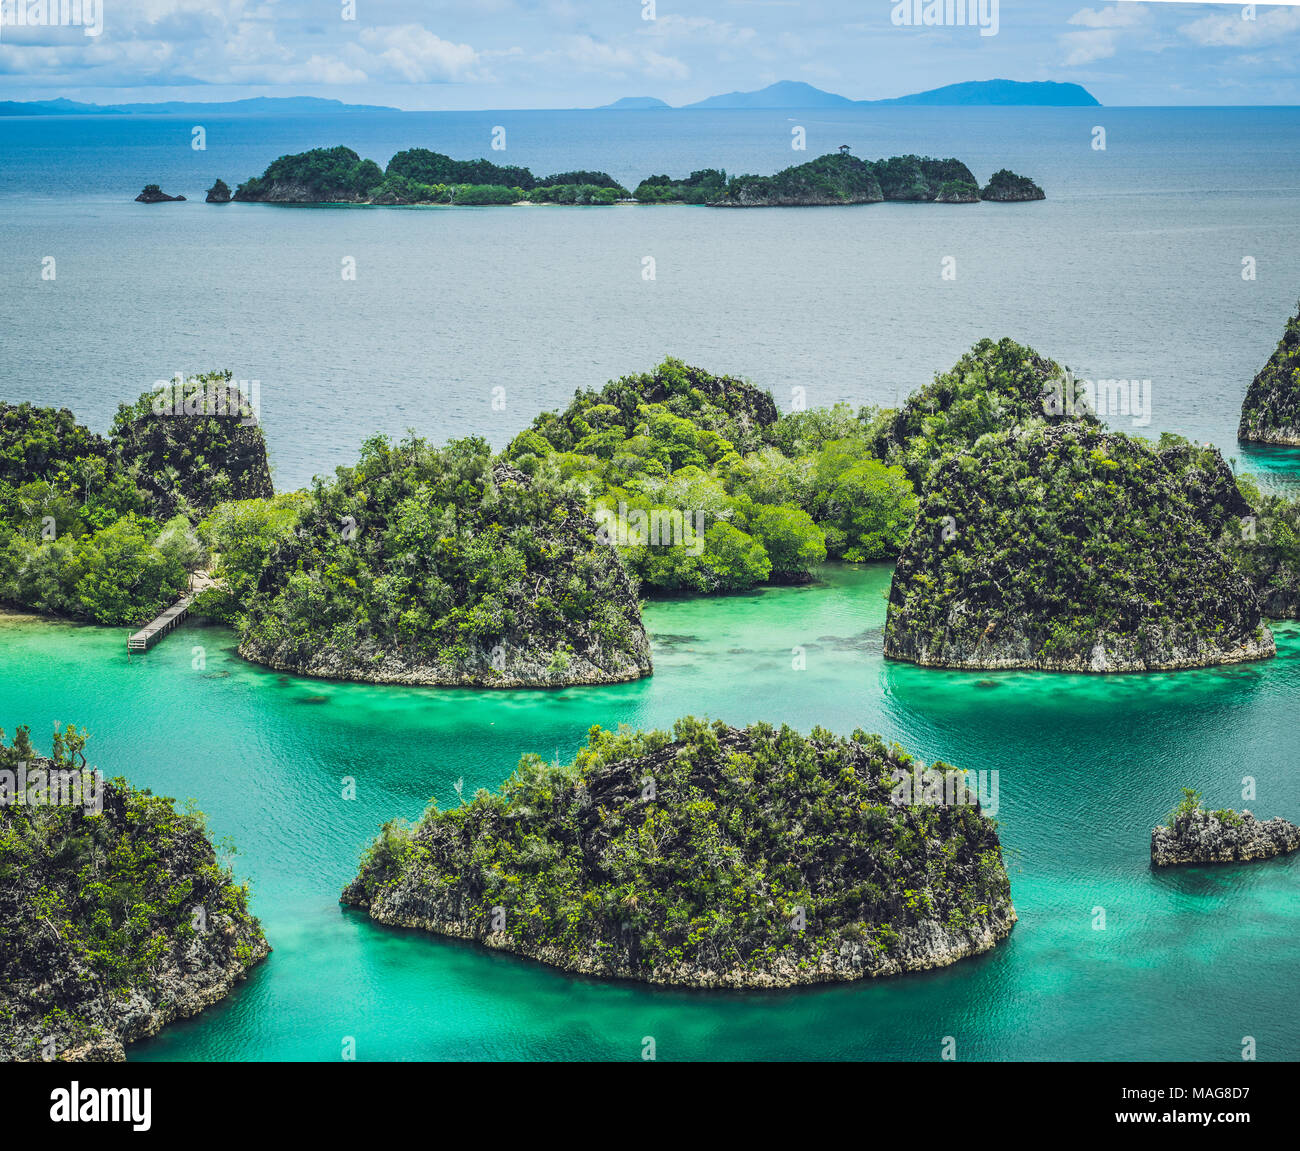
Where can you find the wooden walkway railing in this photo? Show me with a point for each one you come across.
(174, 616)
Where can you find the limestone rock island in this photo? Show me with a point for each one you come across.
(1067, 548)
(1271, 411)
(422, 565)
(1005, 187)
(1194, 835)
(708, 857)
(115, 914)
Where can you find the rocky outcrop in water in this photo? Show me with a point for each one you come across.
(112, 924)
(1072, 549)
(219, 193)
(153, 194)
(707, 857)
(1270, 413)
(1200, 836)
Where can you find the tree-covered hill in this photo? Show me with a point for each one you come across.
(994, 387)
(836, 178)
(193, 445)
(707, 857)
(436, 566)
(1270, 413)
(1068, 548)
(747, 496)
(115, 915)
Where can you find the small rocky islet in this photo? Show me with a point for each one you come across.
(1194, 835)
(153, 194)
(116, 916)
(708, 856)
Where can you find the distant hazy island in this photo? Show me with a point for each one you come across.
(418, 176)
(783, 94)
(797, 94)
(708, 857)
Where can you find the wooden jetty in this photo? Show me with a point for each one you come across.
(174, 616)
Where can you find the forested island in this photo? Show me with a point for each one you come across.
(103, 529)
(1194, 835)
(1072, 549)
(423, 565)
(115, 913)
(418, 176)
(708, 856)
(1270, 413)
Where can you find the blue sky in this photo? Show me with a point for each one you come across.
(577, 53)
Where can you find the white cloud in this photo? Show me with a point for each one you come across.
(1103, 29)
(591, 55)
(1116, 16)
(1086, 47)
(1229, 30)
(699, 30)
(414, 54)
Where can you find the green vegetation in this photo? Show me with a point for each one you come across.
(102, 530)
(837, 178)
(701, 187)
(1270, 413)
(426, 565)
(419, 176)
(995, 386)
(1266, 543)
(707, 856)
(1070, 548)
(921, 178)
(1006, 187)
(193, 445)
(325, 174)
(113, 919)
(749, 496)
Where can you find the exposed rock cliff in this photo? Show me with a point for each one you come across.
(1071, 549)
(709, 857)
(1271, 411)
(112, 924)
(1200, 836)
(219, 193)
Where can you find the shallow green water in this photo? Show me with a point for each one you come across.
(1188, 964)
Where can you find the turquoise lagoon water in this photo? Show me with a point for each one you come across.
(1189, 962)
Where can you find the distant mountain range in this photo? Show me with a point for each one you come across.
(257, 106)
(784, 94)
(797, 94)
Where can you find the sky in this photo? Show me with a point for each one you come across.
(469, 54)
